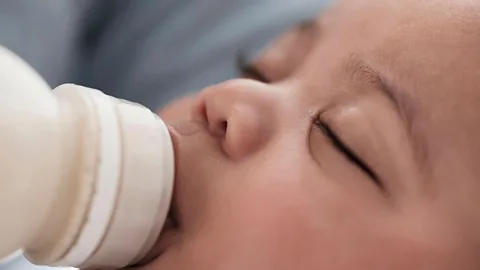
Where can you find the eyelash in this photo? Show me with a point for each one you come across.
(255, 74)
(344, 149)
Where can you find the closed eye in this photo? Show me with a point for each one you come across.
(345, 150)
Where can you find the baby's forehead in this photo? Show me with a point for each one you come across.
(430, 47)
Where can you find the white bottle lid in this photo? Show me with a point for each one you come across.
(133, 185)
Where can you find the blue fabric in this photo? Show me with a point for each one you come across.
(146, 51)
(153, 51)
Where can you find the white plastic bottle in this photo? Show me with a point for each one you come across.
(86, 179)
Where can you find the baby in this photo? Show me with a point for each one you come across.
(360, 150)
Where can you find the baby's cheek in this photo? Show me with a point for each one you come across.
(264, 229)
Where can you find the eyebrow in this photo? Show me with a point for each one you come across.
(365, 74)
(404, 103)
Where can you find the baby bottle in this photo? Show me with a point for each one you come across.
(86, 179)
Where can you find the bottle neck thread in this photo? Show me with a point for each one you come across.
(122, 176)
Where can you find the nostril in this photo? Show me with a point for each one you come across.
(207, 114)
(219, 128)
(223, 126)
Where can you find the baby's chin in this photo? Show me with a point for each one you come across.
(178, 110)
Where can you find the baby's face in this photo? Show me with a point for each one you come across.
(361, 152)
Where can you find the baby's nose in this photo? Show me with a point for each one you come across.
(242, 113)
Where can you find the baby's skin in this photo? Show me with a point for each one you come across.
(353, 145)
